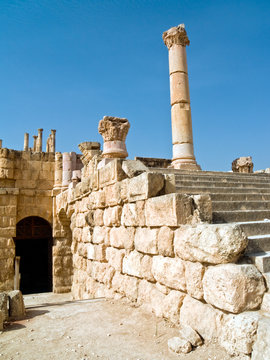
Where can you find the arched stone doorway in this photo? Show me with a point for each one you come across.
(33, 244)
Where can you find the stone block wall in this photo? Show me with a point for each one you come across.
(131, 239)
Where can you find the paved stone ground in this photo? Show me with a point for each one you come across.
(58, 328)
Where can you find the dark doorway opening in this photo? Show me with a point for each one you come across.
(33, 243)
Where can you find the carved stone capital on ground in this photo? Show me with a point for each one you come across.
(114, 131)
(176, 35)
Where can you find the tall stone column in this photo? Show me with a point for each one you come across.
(0, 143)
(58, 169)
(26, 142)
(176, 40)
(39, 140)
(52, 149)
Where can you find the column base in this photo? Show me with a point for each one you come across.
(192, 166)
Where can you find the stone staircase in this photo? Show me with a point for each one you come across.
(236, 198)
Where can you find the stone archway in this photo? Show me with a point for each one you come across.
(33, 244)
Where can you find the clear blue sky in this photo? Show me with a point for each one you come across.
(64, 64)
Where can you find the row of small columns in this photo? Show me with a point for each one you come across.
(37, 146)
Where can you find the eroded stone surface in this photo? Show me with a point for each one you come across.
(169, 272)
(261, 348)
(16, 304)
(233, 287)
(179, 345)
(214, 244)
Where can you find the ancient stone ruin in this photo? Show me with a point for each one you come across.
(188, 245)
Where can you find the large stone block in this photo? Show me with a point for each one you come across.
(146, 240)
(113, 194)
(112, 216)
(201, 317)
(238, 332)
(132, 264)
(194, 274)
(214, 244)
(146, 268)
(122, 237)
(165, 241)
(168, 210)
(96, 252)
(172, 304)
(133, 214)
(111, 173)
(133, 168)
(234, 288)
(203, 207)
(100, 235)
(16, 305)
(98, 217)
(266, 303)
(115, 257)
(145, 186)
(261, 348)
(169, 272)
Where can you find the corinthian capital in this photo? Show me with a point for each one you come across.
(176, 35)
(113, 128)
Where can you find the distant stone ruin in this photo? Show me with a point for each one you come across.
(190, 246)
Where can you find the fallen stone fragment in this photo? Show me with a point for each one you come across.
(179, 345)
(186, 332)
(16, 304)
(133, 167)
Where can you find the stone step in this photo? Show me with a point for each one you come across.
(253, 228)
(221, 179)
(258, 243)
(210, 173)
(208, 190)
(240, 215)
(240, 205)
(261, 260)
(239, 197)
(222, 184)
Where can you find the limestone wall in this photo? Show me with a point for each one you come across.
(158, 250)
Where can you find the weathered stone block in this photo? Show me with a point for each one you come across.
(4, 306)
(168, 210)
(214, 244)
(145, 186)
(157, 302)
(111, 173)
(115, 257)
(234, 288)
(201, 317)
(203, 206)
(146, 268)
(194, 274)
(112, 216)
(261, 348)
(165, 241)
(130, 287)
(266, 303)
(16, 305)
(169, 272)
(113, 194)
(133, 214)
(238, 332)
(86, 235)
(96, 252)
(146, 240)
(122, 237)
(172, 304)
(132, 264)
(133, 168)
(98, 217)
(100, 235)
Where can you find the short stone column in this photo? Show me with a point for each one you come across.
(176, 40)
(26, 142)
(35, 143)
(69, 164)
(114, 131)
(39, 140)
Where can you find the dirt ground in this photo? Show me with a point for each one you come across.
(58, 328)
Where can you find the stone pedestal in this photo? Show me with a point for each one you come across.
(114, 131)
(183, 153)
